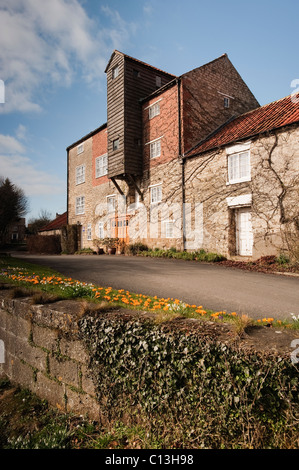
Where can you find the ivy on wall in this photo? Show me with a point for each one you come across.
(183, 380)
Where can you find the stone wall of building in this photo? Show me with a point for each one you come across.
(271, 194)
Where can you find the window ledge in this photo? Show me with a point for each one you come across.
(243, 180)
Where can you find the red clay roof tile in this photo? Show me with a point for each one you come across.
(265, 118)
(55, 224)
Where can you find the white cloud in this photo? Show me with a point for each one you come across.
(119, 31)
(9, 145)
(22, 171)
(21, 132)
(46, 43)
(148, 9)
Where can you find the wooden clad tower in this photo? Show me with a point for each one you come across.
(128, 81)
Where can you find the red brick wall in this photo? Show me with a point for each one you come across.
(99, 147)
(203, 91)
(164, 125)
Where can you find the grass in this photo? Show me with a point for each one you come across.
(45, 285)
(27, 422)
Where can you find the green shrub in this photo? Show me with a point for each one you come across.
(283, 259)
(136, 248)
(187, 255)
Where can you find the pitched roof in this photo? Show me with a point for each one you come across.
(263, 119)
(55, 224)
(175, 80)
(87, 136)
(137, 61)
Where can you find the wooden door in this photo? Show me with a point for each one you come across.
(119, 228)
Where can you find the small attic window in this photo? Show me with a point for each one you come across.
(136, 73)
(115, 72)
(158, 81)
(226, 102)
(80, 148)
(115, 144)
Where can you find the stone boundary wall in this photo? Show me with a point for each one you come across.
(42, 352)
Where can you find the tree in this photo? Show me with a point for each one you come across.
(13, 205)
(36, 223)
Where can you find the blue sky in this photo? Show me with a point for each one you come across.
(53, 54)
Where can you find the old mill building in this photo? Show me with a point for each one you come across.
(191, 162)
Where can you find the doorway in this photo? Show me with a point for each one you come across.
(244, 235)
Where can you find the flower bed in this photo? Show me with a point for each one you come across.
(33, 276)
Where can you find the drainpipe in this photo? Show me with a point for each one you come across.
(67, 190)
(182, 161)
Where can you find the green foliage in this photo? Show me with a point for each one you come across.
(228, 397)
(200, 255)
(14, 205)
(136, 248)
(85, 251)
(283, 259)
(69, 239)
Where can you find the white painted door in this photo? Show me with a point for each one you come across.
(244, 236)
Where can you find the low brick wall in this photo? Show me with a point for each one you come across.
(42, 352)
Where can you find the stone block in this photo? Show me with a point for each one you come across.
(45, 337)
(87, 382)
(50, 390)
(34, 356)
(82, 403)
(18, 325)
(65, 371)
(22, 373)
(74, 350)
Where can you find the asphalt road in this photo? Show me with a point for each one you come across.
(214, 287)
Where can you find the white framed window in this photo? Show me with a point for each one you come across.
(111, 203)
(101, 233)
(154, 110)
(115, 72)
(115, 144)
(101, 165)
(89, 232)
(80, 174)
(155, 148)
(80, 148)
(239, 167)
(156, 193)
(80, 205)
(169, 229)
